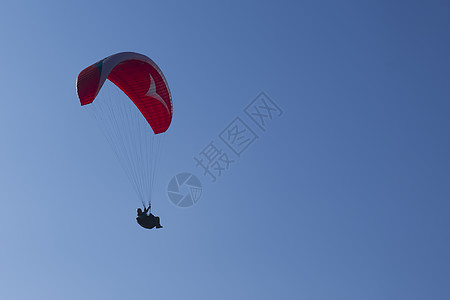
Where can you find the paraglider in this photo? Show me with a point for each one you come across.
(135, 137)
(147, 220)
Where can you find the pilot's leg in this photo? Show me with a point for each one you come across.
(158, 225)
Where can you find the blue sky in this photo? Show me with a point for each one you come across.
(345, 196)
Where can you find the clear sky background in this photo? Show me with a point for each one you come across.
(345, 196)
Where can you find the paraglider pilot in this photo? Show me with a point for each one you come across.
(147, 221)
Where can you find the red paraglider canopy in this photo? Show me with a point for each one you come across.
(139, 78)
